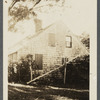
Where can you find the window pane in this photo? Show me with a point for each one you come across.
(68, 39)
(68, 44)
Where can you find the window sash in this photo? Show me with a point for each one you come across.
(68, 41)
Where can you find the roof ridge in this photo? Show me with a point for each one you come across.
(32, 35)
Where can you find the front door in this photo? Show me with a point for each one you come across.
(39, 61)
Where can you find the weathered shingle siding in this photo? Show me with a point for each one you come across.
(52, 55)
(34, 46)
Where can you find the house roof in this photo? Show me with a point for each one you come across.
(20, 44)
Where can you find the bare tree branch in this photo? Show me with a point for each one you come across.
(36, 2)
(13, 3)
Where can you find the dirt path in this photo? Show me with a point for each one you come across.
(26, 92)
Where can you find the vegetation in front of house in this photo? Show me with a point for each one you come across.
(77, 74)
(85, 39)
(20, 72)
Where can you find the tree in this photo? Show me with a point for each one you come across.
(85, 39)
(21, 12)
(13, 3)
(35, 2)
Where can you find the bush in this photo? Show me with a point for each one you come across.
(20, 72)
(77, 74)
(13, 72)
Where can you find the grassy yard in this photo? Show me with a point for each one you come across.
(25, 92)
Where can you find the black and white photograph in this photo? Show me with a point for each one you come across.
(50, 46)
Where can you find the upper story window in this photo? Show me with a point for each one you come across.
(68, 41)
(51, 39)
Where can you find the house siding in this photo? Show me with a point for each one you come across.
(52, 55)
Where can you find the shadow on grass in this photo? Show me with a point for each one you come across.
(44, 93)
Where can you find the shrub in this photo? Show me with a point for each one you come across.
(77, 74)
(22, 73)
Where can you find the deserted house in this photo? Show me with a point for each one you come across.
(49, 46)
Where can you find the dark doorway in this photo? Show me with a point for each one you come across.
(39, 61)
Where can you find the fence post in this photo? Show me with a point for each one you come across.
(65, 75)
(31, 72)
(65, 66)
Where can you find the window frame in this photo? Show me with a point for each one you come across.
(67, 42)
(11, 56)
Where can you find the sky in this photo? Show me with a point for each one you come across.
(78, 15)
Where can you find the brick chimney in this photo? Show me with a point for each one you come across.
(38, 24)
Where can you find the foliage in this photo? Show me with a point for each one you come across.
(77, 74)
(85, 39)
(19, 13)
(22, 75)
(22, 11)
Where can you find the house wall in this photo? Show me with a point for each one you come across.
(52, 56)
(36, 45)
(55, 54)
(39, 45)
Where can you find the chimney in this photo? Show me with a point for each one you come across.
(38, 24)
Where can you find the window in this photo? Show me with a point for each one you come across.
(13, 56)
(51, 40)
(68, 41)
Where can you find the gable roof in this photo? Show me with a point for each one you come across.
(20, 44)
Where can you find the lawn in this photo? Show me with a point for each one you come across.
(26, 92)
